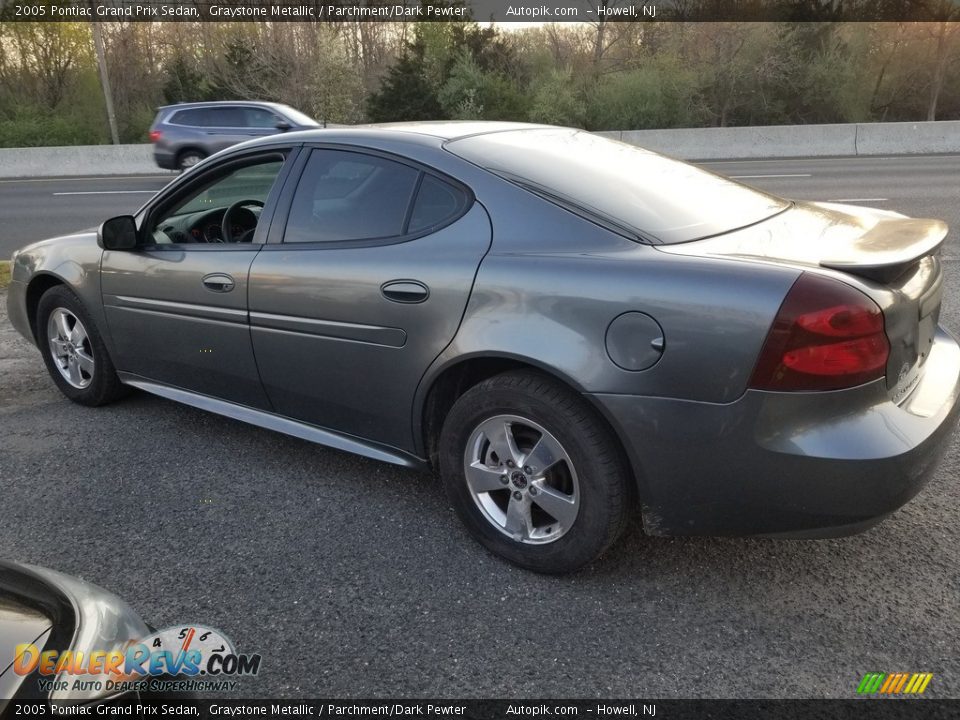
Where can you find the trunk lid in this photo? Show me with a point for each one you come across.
(892, 258)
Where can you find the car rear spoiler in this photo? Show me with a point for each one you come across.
(889, 248)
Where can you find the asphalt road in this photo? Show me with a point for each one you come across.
(354, 578)
(39, 208)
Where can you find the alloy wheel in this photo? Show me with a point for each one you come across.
(70, 348)
(189, 160)
(522, 479)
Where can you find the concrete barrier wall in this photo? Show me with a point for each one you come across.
(690, 144)
(78, 160)
(919, 138)
(746, 142)
(799, 140)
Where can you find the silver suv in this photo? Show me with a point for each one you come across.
(184, 134)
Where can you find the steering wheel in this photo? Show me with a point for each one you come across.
(225, 224)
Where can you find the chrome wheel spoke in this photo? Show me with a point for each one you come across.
(519, 522)
(483, 479)
(558, 505)
(73, 372)
(544, 455)
(85, 363)
(63, 327)
(78, 335)
(500, 434)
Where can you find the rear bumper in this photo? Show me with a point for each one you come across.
(795, 464)
(167, 159)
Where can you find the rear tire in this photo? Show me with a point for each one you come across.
(188, 158)
(558, 492)
(73, 350)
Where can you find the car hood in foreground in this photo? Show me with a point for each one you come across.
(20, 624)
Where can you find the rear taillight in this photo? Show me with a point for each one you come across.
(155, 135)
(826, 336)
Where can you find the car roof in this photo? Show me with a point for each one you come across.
(216, 103)
(454, 129)
(424, 133)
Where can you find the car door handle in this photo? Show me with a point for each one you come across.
(218, 282)
(405, 291)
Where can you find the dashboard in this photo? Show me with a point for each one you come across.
(207, 226)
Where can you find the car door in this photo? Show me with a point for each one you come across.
(261, 122)
(176, 305)
(226, 126)
(367, 287)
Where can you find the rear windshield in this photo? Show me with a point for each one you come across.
(657, 198)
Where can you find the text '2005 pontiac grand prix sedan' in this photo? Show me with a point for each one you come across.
(566, 328)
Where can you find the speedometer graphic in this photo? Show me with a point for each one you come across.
(185, 638)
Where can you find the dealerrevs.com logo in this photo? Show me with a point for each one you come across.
(172, 659)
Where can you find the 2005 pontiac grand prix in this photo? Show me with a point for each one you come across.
(568, 329)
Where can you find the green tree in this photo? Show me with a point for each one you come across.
(334, 85)
(405, 93)
(461, 96)
(555, 100)
(639, 99)
(183, 82)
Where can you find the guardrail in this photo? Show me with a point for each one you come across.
(919, 138)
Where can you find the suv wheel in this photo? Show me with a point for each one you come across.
(73, 350)
(533, 472)
(188, 158)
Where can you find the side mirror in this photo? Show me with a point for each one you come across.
(282, 125)
(119, 233)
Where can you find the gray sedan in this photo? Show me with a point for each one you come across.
(567, 329)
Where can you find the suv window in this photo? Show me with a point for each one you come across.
(260, 118)
(196, 117)
(350, 196)
(226, 117)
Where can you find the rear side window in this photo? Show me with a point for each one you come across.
(350, 196)
(196, 117)
(437, 203)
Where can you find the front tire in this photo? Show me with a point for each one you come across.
(533, 472)
(73, 350)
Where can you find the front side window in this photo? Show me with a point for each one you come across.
(231, 117)
(350, 196)
(260, 118)
(222, 208)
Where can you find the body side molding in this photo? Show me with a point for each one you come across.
(278, 423)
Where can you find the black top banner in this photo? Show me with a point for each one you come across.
(503, 11)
